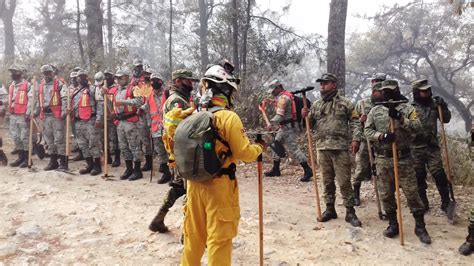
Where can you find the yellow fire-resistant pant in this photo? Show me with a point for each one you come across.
(212, 215)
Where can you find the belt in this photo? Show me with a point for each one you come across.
(125, 116)
(402, 153)
(229, 171)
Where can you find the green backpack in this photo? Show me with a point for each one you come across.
(194, 147)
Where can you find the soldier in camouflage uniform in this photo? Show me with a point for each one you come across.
(377, 130)
(180, 95)
(87, 111)
(111, 123)
(285, 120)
(425, 148)
(362, 108)
(52, 99)
(126, 106)
(19, 106)
(333, 115)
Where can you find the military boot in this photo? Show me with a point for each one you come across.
(351, 217)
(468, 247)
(137, 172)
(275, 171)
(62, 163)
(128, 170)
(158, 223)
(24, 164)
(308, 173)
(20, 160)
(420, 229)
(88, 168)
(15, 151)
(392, 229)
(116, 162)
(166, 177)
(78, 157)
(424, 199)
(148, 163)
(53, 162)
(329, 213)
(96, 167)
(357, 194)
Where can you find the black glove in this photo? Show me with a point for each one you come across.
(440, 101)
(389, 137)
(394, 113)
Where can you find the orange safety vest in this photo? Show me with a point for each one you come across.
(21, 98)
(128, 109)
(55, 101)
(85, 109)
(293, 105)
(156, 113)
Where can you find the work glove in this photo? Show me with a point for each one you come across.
(394, 113)
(388, 137)
(440, 101)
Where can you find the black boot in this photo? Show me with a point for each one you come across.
(88, 168)
(21, 158)
(357, 194)
(468, 247)
(137, 172)
(78, 157)
(424, 199)
(166, 177)
(308, 173)
(128, 171)
(392, 229)
(40, 152)
(158, 223)
(15, 151)
(329, 213)
(275, 171)
(62, 163)
(24, 164)
(96, 167)
(420, 229)
(351, 217)
(148, 163)
(116, 162)
(53, 162)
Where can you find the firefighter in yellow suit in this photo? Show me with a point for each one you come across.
(212, 210)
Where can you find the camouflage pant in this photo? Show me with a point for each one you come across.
(74, 133)
(145, 137)
(129, 141)
(19, 131)
(173, 194)
(362, 161)
(429, 157)
(336, 165)
(112, 135)
(53, 132)
(159, 148)
(89, 138)
(386, 184)
(287, 136)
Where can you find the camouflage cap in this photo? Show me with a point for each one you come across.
(82, 72)
(421, 84)
(14, 67)
(75, 69)
(390, 84)
(122, 72)
(46, 68)
(73, 74)
(108, 71)
(156, 76)
(273, 84)
(99, 78)
(148, 70)
(183, 74)
(379, 76)
(377, 86)
(137, 62)
(327, 77)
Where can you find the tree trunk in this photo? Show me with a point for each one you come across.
(244, 41)
(95, 40)
(170, 51)
(235, 35)
(78, 33)
(203, 33)
(6, 14)
(336, 34)
(111, 55)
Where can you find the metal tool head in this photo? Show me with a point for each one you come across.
(304, 90)
(391, 102)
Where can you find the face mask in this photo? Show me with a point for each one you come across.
(137, 72)
(122, 82)
(156, 85)
(188, 87)
(275, 92)
(48, 79)
(110, 81)
(16, 76)
(146, 78)
(84, 83)
(390, 95)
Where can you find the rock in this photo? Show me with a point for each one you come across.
(29, 230)
(27, 260)
(355, 234)
(8, 249)
(350, 248)
(140, 247)
(42, 247)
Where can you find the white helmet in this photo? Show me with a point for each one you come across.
(218, 74)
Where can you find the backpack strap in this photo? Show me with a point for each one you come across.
(228, 153)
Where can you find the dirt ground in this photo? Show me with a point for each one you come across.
(57, 218)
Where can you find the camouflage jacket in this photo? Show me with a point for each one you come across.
(176, 99)
(428, 116)
(367, 105)
(378, 123)
(282, 109)
(333, 119)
